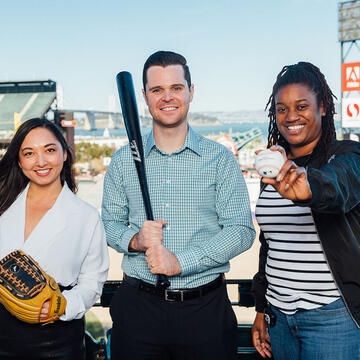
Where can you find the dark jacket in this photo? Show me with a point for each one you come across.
(335, 206)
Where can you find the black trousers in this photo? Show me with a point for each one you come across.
(146, 327)
(61, 340)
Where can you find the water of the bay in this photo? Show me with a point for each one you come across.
(203, 129)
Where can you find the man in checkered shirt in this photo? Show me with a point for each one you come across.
(201, 206)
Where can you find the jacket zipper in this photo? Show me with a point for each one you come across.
(342, 296)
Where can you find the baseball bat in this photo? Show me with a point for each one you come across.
(131, 120)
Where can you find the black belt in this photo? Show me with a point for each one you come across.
(175, 295)
(62, 288)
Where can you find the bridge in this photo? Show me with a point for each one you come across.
(108, 119)
(23, 100)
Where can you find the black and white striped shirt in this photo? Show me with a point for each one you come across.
(296, 269)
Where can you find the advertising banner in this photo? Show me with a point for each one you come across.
(351, 77)
(351, 112)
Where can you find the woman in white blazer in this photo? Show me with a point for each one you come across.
(40, 215)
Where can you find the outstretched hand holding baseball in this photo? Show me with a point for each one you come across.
(291, 182)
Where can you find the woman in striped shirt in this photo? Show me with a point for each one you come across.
(308, 282)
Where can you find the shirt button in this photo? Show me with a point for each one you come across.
(168, 181)
(167, 205)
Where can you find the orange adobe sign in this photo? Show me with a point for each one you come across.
(351, 77)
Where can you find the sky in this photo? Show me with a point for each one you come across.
(234, 48)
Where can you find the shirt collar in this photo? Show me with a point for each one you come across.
(192, 142)
(150, 143)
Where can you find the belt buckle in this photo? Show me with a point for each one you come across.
(175, 291)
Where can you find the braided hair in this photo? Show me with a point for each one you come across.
(307, 74)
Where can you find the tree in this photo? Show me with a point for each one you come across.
(85, 151)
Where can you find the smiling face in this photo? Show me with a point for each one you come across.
(41, 157)
(298, 118)
(167, 95)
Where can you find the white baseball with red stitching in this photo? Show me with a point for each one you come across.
(268, 163)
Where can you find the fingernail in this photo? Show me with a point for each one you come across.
(287, 187)
(279, 177)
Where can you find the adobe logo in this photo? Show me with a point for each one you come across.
(351, 77)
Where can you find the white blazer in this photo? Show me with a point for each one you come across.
(68, 243)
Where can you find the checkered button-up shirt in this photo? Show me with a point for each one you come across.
(200, 193)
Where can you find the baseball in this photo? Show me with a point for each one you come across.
(268, 163)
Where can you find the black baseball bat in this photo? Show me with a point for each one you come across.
(131, 120)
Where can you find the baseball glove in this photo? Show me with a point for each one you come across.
(24, 287)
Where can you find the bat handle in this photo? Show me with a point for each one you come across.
(162, 281)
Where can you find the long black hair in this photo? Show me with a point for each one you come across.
(12, 179)
(311, 76)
